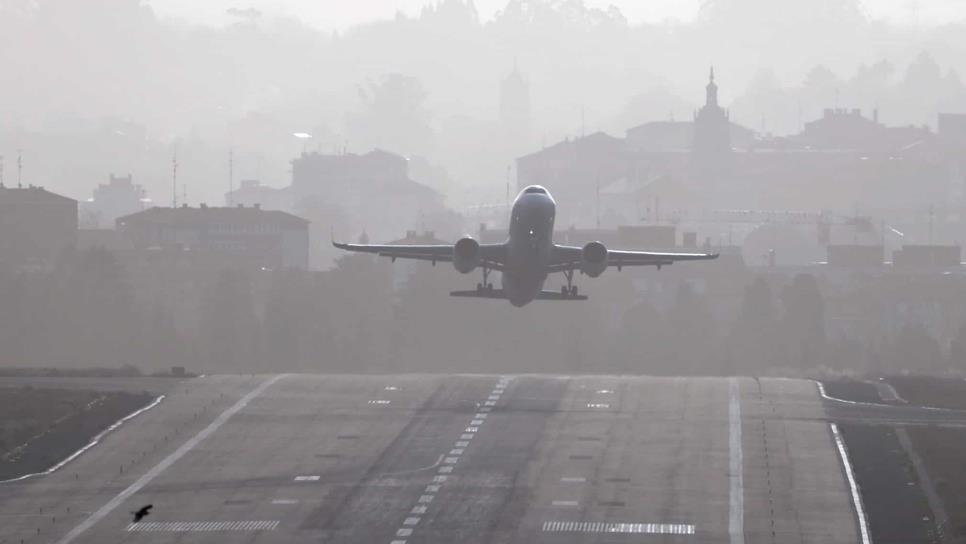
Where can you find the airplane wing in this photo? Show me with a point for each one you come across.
(492, 256)
(569, 258)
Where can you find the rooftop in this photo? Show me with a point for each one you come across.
(29, 194)
(203, 215)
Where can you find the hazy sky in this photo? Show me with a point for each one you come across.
(329, 14)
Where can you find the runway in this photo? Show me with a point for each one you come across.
(463, 458)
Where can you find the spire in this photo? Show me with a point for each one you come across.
(711, 91)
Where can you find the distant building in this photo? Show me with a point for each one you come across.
(712, 127)
(574, 170)
(119, 196)
(263, 238)
(515, 107)
(35, 225)
(670, 169)
(844, 129)
(373, 191)
(952, 130)
(252, 193)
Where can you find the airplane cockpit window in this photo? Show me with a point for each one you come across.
(535, 190)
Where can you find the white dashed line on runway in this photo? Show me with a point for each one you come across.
(573, 479)
(202, 526)
(311, 478)
(564, 503)
(448, 464)
(624, 528)
(284, 501)
(597, 405)
(391, 388)
(380, 401)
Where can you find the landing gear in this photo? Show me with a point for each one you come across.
(485, 286)
(569, 290)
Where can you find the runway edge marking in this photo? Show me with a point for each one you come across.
(168, 461)
(736, 504)
(93, 442)
(853, 486)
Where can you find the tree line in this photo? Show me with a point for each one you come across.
(367, 315)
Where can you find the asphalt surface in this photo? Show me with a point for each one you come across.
(393, 459)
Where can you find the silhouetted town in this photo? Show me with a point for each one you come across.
(839, 219)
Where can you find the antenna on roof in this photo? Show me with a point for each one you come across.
(19, 169)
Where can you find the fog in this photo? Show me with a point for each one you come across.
(819, 147)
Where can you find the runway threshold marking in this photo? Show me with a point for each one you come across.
(853, 487)
(165, 463)
(449, 462)
(202, 526)
(623, 528)
(736, 502)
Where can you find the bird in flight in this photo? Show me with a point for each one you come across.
(145, 510)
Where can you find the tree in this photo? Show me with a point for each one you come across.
(803, 324)
(753, 343)
(394, 116)
(228, 324)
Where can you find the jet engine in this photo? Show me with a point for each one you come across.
(593, 259)
(466, 255)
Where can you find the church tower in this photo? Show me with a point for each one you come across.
(515, 103)
(712, 127)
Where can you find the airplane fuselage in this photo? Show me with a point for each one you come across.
(529, 245)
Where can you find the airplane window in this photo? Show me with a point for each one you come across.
(535, 190)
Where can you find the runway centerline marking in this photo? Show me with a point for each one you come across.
(736, 502)
(165, 463)
(448, 465)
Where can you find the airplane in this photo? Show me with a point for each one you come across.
(528, 255)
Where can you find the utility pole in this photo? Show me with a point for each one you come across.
(507, 200)
(19, 169)
(174, 180)
(598, 202)
(1, 172)
(231, 174)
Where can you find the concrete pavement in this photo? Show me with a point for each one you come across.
(469, 458)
